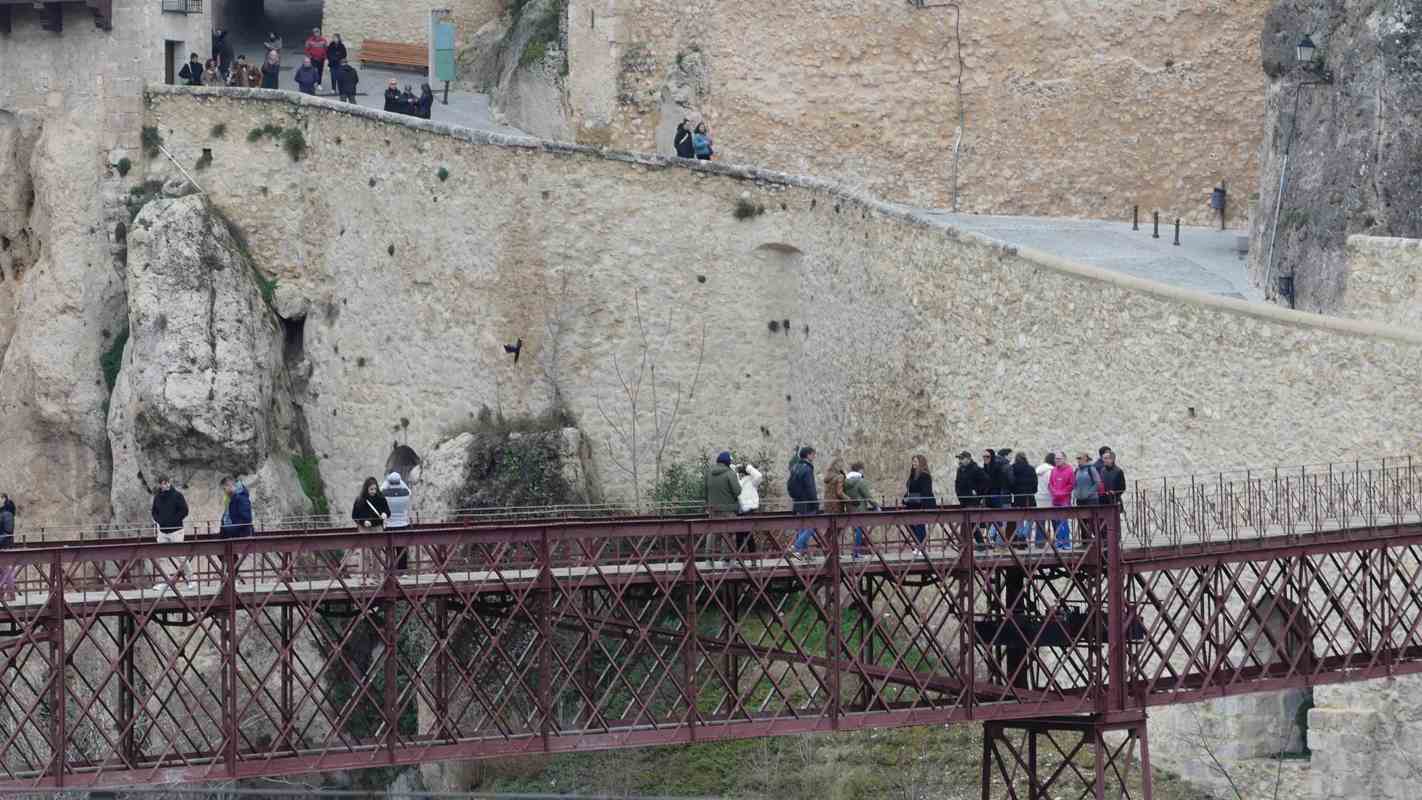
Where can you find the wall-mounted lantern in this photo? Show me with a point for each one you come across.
(1307, 54)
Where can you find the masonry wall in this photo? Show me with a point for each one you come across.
(96, 73)
(1383, 281)
(1076, 108)
(402, 20)
(903, 337)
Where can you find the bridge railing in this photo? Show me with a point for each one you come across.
(449, 642)
(1254, 504)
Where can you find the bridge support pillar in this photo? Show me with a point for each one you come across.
(1088, 756)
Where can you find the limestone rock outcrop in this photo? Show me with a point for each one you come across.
(64, 305)
(519, 60)
(203, 390)
(1348, 157)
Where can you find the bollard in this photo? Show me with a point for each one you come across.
(1177, 231)
(1156, 216)
(1135, 218)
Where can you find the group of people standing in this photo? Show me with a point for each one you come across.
(693, 141)
(405, 102)
(1004, 479)
(321, 56)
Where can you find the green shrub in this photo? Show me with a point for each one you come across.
(745, 209)
(112, 359)
(294, 142)
(308, 472)
(123, 166)
(140, 195)
(204, 161)
(219, 130)
(533, 53)
(267, 287)
(152, 140)
(442, 174)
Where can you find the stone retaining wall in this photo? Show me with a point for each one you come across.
(903, 336)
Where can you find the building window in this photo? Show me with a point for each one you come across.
(183, 6)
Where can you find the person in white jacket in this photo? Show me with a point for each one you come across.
(1044, 493)
(397, 496)
(750, 503)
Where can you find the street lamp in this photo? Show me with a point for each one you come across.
(1307, 53)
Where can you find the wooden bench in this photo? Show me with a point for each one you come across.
(395, 54)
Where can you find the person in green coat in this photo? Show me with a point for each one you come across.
(862, 497)
(723, 488)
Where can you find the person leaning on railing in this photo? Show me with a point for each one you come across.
(7, 539)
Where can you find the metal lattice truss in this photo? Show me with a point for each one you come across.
(292, 653)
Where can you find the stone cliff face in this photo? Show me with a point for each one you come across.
(64, 303)
(203, 391)
(1349, 158)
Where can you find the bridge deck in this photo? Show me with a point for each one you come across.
(544, 637)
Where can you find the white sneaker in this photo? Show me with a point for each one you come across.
(189, 587)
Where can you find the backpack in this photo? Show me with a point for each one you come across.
(1081, 493)
(790, 487)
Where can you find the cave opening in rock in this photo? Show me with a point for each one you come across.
(403, 459)
(294, 331)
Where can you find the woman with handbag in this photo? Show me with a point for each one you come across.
(919, 495)
(369, 512)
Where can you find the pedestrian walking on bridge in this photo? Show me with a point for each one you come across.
(170, 510)
(918, 495)
(723, 490)
(861, 498)
(237, 517)
(805, 495)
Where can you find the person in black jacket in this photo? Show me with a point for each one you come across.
(392, 97)
(801, 488)
(999, 480)
(7, 539)
(1114, 479)
(918, 494)
(971, 484)
(169, 511)
(192, 71)
(335, 57)
(425, 103)
(369, 512)
(222, 52)
(346, 79)
(1024, 492)
(682, 141)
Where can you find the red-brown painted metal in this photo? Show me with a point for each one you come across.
(539, 637)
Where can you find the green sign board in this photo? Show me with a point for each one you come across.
(443, 51)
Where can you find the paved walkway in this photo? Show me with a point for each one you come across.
(1206, 259)
(293, 21)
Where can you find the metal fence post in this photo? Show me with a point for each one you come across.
(58, 660)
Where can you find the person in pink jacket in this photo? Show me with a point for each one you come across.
(1060, 484)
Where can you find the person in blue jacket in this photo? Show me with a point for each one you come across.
(237, 518)
(801, 488)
